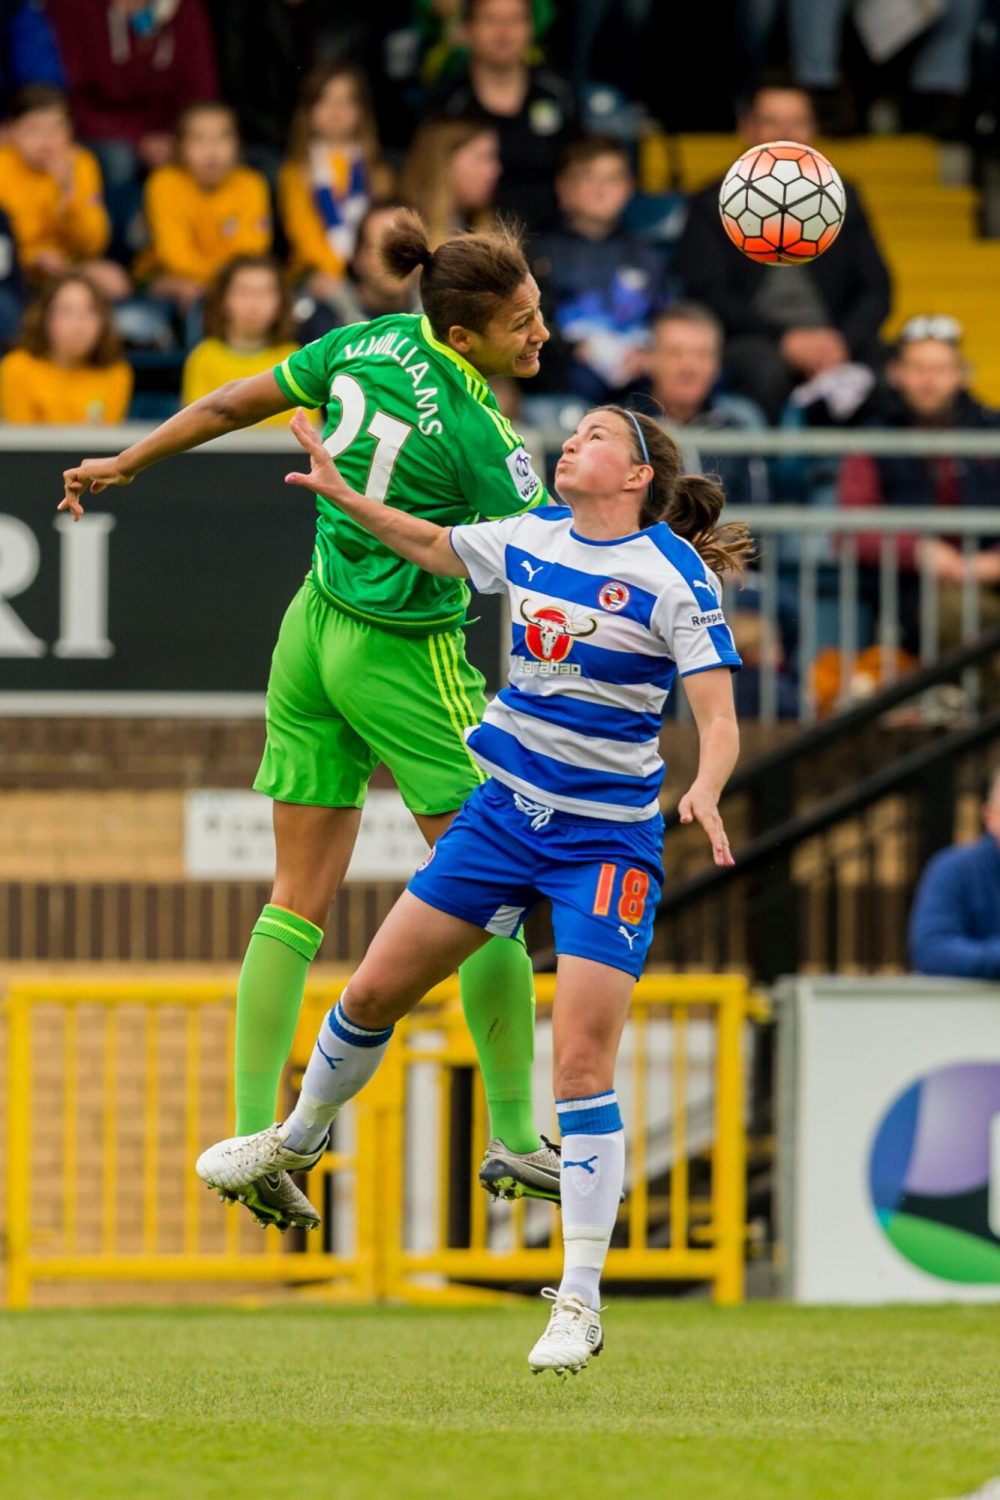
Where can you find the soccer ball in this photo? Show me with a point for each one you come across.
(782, 204)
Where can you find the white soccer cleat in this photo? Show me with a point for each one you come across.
(233, 1165)
(573, 1335)
(516, 1174)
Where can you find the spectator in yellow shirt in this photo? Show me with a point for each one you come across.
(332, 173)
(51, 191)
(204, 209)
(69, 368)
(247, 323)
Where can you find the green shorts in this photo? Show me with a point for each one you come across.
(344, 695)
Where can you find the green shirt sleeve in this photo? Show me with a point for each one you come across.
(494, 467)
(305, 375)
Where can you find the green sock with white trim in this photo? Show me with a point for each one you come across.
(268, 1001)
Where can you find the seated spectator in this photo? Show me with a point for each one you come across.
(955, 919)
(601, 284)
(50, 189)
(441, 29)
(133, 67)
(685, 362)
(11, 283)
(247, 327)
(365, 292)
(203, 210)
(332, 174)
(785, 324)
(929, 392)
(451, 175)
(69, 367)
(533, 111)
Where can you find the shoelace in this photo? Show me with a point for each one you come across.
(571, 1305)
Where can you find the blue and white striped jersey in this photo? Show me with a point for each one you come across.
(599, 632)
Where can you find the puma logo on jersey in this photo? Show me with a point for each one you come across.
(530, 570)
(696, 583)
(629, 937)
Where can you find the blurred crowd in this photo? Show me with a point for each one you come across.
(191, 188)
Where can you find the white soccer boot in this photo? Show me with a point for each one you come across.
(516, 1174)
(233, 1166)
(276, 1200)
(523, 1174)
(573, 1335)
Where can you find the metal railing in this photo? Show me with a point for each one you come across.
(128, 1080)
(811, 588)
(827, 576)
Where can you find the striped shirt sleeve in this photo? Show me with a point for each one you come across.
(483, 549)
(688, 618)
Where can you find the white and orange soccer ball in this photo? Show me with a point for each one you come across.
(782, 204)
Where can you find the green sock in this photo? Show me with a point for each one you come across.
(498, 998)
(268, 1002)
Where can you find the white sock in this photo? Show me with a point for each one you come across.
(345, 1057)
(593, 1170)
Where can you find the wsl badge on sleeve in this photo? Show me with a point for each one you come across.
(526, 481)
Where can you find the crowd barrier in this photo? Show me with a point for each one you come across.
(114, 1088)
(166, 599)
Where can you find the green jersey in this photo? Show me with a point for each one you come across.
(412, 423)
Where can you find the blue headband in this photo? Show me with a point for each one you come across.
(643, 445)
(642, 441)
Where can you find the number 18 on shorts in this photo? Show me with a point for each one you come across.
(500, 858)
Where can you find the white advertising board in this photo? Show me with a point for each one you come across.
(890, 1140)
(227, 836)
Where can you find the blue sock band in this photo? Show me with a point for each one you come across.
(350, 1031)
(596, 1115)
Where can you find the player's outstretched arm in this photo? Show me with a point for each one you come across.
(419, 541)
(237, 404)
(710, 695)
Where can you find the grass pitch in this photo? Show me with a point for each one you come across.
(688, 1402)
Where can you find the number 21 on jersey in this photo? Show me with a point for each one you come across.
(389, 434)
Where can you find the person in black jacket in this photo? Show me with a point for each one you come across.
(785, 324)
(533, 111)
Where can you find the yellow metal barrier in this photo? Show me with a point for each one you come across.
(113, 1088)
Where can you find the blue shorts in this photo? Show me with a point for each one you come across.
(503, 854)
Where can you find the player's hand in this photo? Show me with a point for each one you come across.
(699, 806)
(324, 478)
(94, 474)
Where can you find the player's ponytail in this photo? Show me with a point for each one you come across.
(404, 246)
(691, 504)
(466, 280)
(695, 504)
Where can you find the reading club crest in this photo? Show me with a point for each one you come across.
(614, 596)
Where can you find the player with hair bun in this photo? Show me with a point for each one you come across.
(612, 596)
(370, 663)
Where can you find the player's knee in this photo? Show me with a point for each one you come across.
(579, 1074)
(368, 1003)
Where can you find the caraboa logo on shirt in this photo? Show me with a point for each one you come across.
(526, 481)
